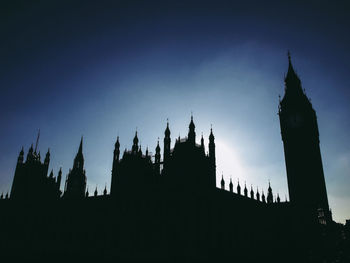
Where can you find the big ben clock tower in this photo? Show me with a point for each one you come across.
(299, 130)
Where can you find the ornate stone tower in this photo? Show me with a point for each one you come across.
(300, 138)
(76, 180)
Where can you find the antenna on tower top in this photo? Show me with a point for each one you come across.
(37, 141)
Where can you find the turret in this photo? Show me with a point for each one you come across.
(278, 198)
(79, 158)
(30, 155)
(167, 143)
(47, 158)
(157, 159)
(191, 132)
(212, 156)
(222, 182)
(238, 189)
(115, 164)
(269, 195)
(263, 197)
(87, 192)
(20, 156)
(59, 178)
(251, 192)
(95, 193)
(105, 191)
(245, 190)
(257, 194)
(231, 185)
(202, 143)
(135, 146)
(51, 174)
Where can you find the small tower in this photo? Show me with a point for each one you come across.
(212, 157)
(269, 195)
(87, 192)
(76, 179)
(278, 198)
(257, 194)
(263, 197)
(105, 191)
(157, 159)
(231, 185)
(191, 132)
(222, 182)
(238, 189)
(135, 146)
(202, 143)
(116, 154)
(20, 156)
(245, 190)
(95, 193)
(167, 143)
(251, 192)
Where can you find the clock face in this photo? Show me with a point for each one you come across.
(295, 120)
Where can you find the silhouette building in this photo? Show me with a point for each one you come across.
(168, 208)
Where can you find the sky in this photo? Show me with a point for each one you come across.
(99, 70)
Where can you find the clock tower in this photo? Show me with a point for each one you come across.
(299, 130)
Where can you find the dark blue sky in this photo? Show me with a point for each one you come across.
(102, 69)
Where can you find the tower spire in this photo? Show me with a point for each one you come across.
(80, 151)
(37, 141)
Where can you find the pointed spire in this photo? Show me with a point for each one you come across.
(292, 80)
(51, 174)
(37, 141)
(105, 190)
(147, 151)
(95, 193)
(251, 192)
(87, 192)
(167, 130)
(158, 147)
(191, 132)
(245, 190)
(231, 185)
(117, 144)
(80, 151)
(222, 182)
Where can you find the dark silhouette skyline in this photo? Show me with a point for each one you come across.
(167, 207)
(91, 69)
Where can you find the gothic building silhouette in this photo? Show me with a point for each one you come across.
(167, 207)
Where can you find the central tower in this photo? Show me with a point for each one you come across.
(299, 130)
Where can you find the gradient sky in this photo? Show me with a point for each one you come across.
(100, 70)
